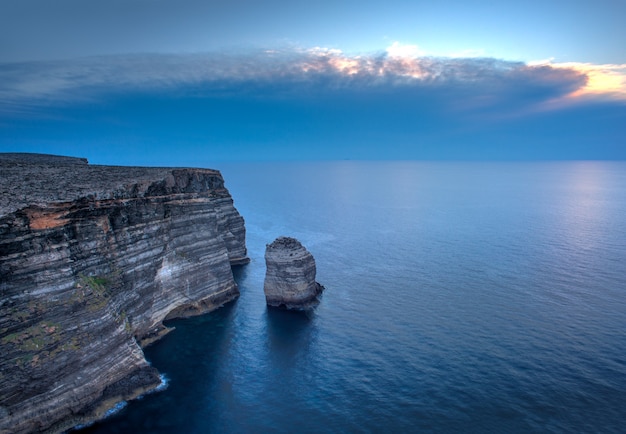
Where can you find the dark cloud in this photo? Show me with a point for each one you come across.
(296, 73)
(307, 104)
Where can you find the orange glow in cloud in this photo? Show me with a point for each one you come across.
(604, 81)
(607, 80)
(401, 60)
(345, 65)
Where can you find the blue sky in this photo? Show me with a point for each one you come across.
(192, 82)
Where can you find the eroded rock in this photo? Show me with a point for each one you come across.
(290, 275)
(92, 260)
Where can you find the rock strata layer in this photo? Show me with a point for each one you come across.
(290, 275)
(92, 260)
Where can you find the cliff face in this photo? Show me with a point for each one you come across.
(290, 275)
(92, 260)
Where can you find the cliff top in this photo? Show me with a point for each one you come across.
(285, 243)
(286, 249)
(39, 179)
(22, 157)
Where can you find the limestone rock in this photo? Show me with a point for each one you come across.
(290, 275)
(92, 260)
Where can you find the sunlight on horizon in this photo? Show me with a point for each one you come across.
(603, 80)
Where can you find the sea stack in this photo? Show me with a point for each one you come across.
(290, 276)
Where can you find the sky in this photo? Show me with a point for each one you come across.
(192, 82)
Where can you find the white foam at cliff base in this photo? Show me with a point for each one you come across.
(110, 412)
(165, 382)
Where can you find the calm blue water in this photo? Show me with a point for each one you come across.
(461, 297)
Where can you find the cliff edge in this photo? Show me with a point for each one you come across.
(92, 260)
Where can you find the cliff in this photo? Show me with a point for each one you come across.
(92, 260)
(290, 275)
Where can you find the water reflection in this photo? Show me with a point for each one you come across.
(288, 325)
(494, 301)
(289, 336)
(585, 205)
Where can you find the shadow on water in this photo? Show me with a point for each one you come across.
(290, 335)
(288, 325)
(189, 356)
(240, 272)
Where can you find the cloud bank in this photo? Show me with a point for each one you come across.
(317, 69)
(317, 103)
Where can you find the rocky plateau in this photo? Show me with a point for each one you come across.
(93, 259)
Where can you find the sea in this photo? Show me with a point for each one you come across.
(461, 297)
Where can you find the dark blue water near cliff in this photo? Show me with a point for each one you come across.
(461, 297)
